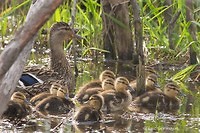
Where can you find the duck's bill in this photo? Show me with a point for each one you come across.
(78, 37)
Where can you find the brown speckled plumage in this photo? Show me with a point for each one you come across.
(60, 70)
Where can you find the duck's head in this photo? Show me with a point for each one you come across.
(108, 84)
(54, 88)
(63, 92)
(62, 30)
(151, 82)
(107, 74)
(122, 84)
(171, 89)
(96, 101)
(18, 97)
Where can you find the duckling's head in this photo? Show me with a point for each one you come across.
(18, 97)
(121, 84)
(96, 101)
(150, 70)
(54, 88)
(151, 82)
(108, 84)
(106, 74)
(171, 89)
(63, 92)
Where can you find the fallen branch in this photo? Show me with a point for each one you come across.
(15, 55)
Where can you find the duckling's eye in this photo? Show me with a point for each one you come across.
(151, 79)
(109, 83)
(109, 75)
(19, 97)
(61, 90)
(123, 82)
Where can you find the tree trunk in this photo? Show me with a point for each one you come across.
(108, 36)
(116, 31)
(192, 30)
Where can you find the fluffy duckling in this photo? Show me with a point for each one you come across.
(53, 91)
(118, 99)
(17, 107)
(94, 84)
(90, 112)
(151, 84)
(107, 84)
(56, 105)
(166, 100)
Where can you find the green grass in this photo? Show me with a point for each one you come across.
(89, 23)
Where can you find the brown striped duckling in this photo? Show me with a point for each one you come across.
(18, 107)
(90, 112)
(151, 84)
(107, 84)
(56, 105)
(106, 74)
(118, 99)
(166, 100)
(53, 91)
(150, 75)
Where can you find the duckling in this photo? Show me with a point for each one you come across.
(118, 99)
(53, 91)
(95, 83)
(90, 112)
(148, 71)
(166, 100)
(56, 105)
(151, 84)
(17, 107)
(84, 97)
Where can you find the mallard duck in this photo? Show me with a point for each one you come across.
(53, 91)
(118, 99)
(18, 107)
(89, 87)
(59, 65)
(166, 100)
(90, 112)
(107, 84)
(56, 105)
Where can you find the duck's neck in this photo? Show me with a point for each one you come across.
(59, 63)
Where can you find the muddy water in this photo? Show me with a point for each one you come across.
(186, 119)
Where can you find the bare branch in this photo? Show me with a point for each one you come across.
(13, 58)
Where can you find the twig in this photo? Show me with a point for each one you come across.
(74, 39)
(140, 68)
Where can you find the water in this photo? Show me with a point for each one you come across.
(186, 119)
